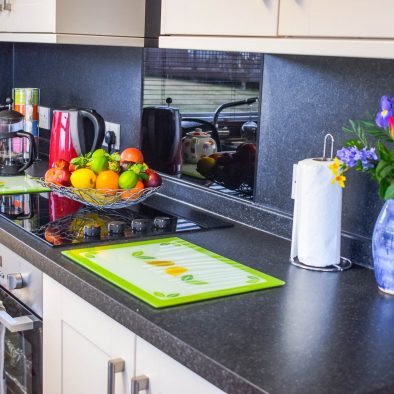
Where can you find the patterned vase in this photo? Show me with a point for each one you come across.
(383, 248)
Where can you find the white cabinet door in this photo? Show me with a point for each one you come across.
(220, 17)
(94, 17)
(79, 341)
(28, 16)
(336, 18)
(167, 376)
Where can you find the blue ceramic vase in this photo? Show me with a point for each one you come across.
(383, 248)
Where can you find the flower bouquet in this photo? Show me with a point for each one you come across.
(371, 151)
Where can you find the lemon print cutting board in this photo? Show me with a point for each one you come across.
(170, 271)
(19, 185)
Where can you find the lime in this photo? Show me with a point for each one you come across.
(98, 153)
(99, 164)
(128, 180)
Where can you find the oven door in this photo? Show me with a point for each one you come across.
(20, 348)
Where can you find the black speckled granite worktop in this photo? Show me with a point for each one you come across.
(320, 333)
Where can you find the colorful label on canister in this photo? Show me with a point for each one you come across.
(24, 96)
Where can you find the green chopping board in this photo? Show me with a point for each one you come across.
(20, 184)
(170, 271)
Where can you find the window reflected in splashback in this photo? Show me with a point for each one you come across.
(214, 96)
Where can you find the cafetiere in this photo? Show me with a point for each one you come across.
(16, 146)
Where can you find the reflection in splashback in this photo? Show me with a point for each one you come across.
(216, 96)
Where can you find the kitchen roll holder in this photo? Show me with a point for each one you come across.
(344, 263)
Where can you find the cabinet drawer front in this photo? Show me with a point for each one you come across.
(220, 17)
(336, 18)
(167, 376)
(29, 16)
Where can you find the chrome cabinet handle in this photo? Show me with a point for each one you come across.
(115, 366)
(139, 383)
(15, 324)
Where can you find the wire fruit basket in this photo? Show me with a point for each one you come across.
(102, 198)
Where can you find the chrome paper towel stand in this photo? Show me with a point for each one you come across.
(344, 263)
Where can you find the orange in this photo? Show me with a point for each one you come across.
(132, 154)
(107, 180)
(161, 263)
(135, 192)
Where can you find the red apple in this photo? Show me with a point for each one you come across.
(58, 177)
(154, 180)
(61, 164)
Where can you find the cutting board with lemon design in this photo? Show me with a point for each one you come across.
(19, 185)
(170, 271)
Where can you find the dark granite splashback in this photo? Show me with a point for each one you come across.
(107, 79)
(303, 98)
(5, 71)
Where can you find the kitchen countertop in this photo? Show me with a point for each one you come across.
(320, 333)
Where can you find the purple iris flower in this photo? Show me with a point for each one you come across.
(385, 111)
(352, 156)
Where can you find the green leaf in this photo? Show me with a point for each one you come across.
(90, 255)
(197, 282)
(145, 257)
(383, 186)
(186, 278)
(383, 152)
(165, 243)
(143, 176)
(158, 294)
(389, 192)
(138, 253)
(173, 295)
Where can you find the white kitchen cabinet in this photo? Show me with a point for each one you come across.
(336, 18)
(78, 343)
(74, 21)
(219, 17)
(79, 340)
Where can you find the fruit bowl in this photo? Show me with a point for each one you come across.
(101, 198)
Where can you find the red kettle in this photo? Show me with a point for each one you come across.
(74, 133)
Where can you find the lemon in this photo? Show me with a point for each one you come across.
(83, 178)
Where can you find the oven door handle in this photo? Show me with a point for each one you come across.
(15, 324)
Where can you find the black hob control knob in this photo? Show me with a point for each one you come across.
(162, 222)
(116, 227)
(141, 224)
(91, 230)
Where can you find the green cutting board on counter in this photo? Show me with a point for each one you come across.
(170, 271)
(20, 184)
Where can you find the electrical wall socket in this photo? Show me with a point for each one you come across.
(44, 116)
(116, 129)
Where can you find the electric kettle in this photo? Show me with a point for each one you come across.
(75, 132)
(16, 146)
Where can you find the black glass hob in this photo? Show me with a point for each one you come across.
(59, 221)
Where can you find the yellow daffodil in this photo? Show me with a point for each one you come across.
(334, 167)
(340, 179)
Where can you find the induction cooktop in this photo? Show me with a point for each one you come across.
(59, 221)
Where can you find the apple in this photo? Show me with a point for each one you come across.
(154, 180)
(58, 177)
(61, 164)
(224, 159)
(125, 165)
(245, 153)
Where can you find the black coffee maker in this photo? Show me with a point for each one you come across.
(16, 146)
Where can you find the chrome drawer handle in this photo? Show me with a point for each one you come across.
(139, 383)
(115, 366)
(15, 324)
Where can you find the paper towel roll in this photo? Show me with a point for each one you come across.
(316, 239)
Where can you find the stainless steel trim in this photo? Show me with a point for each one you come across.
(139, 383)
(115, 366)
(15, 324)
